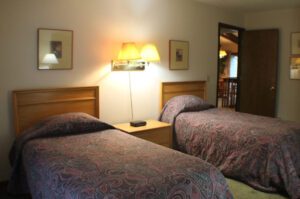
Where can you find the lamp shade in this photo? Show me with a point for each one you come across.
(50, 58)
(129, 51)
(149, 53)
(222, 53)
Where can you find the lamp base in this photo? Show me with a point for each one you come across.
(131, 65)
(138, 123)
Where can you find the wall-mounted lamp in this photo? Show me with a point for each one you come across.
(130, 58)
(129, 51)
(149, 53)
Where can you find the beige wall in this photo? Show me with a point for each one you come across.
(100, 26)
(287, 21)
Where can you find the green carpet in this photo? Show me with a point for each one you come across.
(242, 191)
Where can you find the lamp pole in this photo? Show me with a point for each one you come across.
(130, 93)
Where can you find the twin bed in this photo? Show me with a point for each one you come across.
(260, 151)
(74, 155)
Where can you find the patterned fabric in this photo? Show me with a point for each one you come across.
(260, 151)
(58, 125)
(183, 103)
(113, 164)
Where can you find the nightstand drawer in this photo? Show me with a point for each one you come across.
(160, 136)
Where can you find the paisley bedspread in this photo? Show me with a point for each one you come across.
(260, 151)
(113, 164)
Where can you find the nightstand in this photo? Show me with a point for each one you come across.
(155, 131)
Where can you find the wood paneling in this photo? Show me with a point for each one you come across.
(160, 136)
(31, 106)
(172, 89)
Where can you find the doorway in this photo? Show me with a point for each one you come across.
(229, 39)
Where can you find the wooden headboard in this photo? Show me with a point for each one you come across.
(172, 89)
(31, 106)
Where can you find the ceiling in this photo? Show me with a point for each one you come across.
(228, 45)
(253, 5)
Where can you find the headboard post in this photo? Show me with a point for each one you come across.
(172, 89)
(31, 106)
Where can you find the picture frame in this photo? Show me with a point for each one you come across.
(295, 67)
(178, 55)
(55, 49)
(295, 56)
(295, 43)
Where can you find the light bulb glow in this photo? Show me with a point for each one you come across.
(222, 53)
(149, 53)
(129, 51)
(50, 58)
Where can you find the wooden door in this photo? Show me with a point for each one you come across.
(258, 75)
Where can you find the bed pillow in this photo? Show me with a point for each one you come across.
(60, 125)
(68, 123)
(180, 104)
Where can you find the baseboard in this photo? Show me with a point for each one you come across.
(3, 186)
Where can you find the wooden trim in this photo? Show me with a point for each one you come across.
(31, 106)
(224, 25)
(97, 104)
(16, 114)
(59, 101)
(230, 37)
(172, 89)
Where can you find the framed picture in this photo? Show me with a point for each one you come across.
(295, 67)
(295, 43)
(179, 55)
(55, 49)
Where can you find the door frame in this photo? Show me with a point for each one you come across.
(240, 31)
